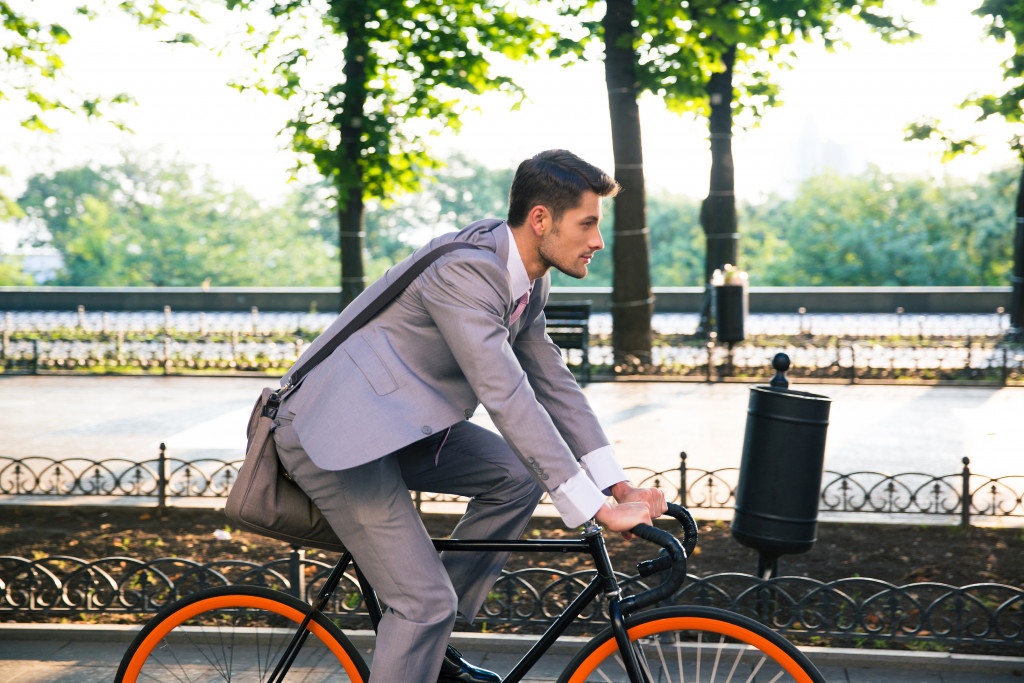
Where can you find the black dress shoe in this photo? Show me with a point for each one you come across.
(454, 668)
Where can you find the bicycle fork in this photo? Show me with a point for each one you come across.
(636, 665)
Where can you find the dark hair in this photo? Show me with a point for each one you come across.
(555, 179)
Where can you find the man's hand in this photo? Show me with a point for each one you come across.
(624, 492)
(634, 506)
(623, 517)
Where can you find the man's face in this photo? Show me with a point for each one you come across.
(570, 242)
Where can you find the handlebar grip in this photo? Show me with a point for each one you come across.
(685, 519)
(672, 558)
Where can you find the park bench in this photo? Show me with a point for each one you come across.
(568, 325)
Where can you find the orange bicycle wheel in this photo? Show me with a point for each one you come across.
(695, 645)
(238, 634)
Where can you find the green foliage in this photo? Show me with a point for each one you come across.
(677, 241)
(680, 45)
(11, 273)
(407, 68)
(461, 192)
(878, 229)
(33, 56)
(166, 225)
(677, 245)
(928, 129)
(32, 62)
(1005, 19)
(146, 225)
(1006, 24)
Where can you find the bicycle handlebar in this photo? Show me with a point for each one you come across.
(672, 558)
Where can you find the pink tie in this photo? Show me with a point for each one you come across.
(520, 307)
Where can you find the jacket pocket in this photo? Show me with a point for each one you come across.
(371, 365)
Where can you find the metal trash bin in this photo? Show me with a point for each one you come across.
(730, 305)
(780, 473)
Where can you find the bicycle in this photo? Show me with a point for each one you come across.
(254, 633)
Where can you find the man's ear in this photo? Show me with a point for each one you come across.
(539, 220)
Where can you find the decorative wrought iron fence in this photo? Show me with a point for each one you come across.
(830, 359)
(847, 609)
(847, 348)
(959, 496)
(163, 478)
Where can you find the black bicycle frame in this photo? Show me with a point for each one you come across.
(592, 543)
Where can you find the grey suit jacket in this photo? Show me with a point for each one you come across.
(427, 361)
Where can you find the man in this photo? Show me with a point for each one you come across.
(388, 412)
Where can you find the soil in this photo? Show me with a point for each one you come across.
(895, 553)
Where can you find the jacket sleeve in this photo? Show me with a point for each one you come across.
(469, 300)
(560, 394)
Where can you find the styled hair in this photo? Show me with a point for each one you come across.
(555, 179)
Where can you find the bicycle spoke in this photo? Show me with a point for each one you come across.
(695, 645)
(238, 634)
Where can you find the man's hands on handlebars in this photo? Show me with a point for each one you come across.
(632, 506)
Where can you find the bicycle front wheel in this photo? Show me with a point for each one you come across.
(694, 645)
(238, 634)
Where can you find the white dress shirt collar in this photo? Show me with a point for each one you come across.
(516, 270)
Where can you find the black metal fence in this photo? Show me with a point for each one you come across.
(798, 323)
(835, 359)
(955, 497)
(846, 348)
(847, 610)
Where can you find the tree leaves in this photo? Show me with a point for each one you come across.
(418, 60)
(166, 224)
(33, 57)
(1006, 24)
(880, 229)
(139, 224)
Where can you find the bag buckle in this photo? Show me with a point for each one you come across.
(273, 403)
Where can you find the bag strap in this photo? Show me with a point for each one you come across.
(361, 318)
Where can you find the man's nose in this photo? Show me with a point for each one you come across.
(597, 243)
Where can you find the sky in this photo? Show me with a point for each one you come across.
(845, 109)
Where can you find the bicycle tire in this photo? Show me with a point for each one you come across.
(696, 645)
(238, 633)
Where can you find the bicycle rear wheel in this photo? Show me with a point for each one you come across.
(238, 634)
(694, 645)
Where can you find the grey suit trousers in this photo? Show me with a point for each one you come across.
(371, 510)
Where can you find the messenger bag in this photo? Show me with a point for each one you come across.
(264, 499)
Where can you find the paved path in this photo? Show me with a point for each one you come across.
(883, 428)
(90, 654)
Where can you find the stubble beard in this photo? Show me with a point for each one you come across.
(574, 268)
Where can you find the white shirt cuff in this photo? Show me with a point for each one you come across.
(603, 469)
(577, 500)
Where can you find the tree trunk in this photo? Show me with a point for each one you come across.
(350, 179)
(632, 303)
(1017, 302)
(718, 211)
